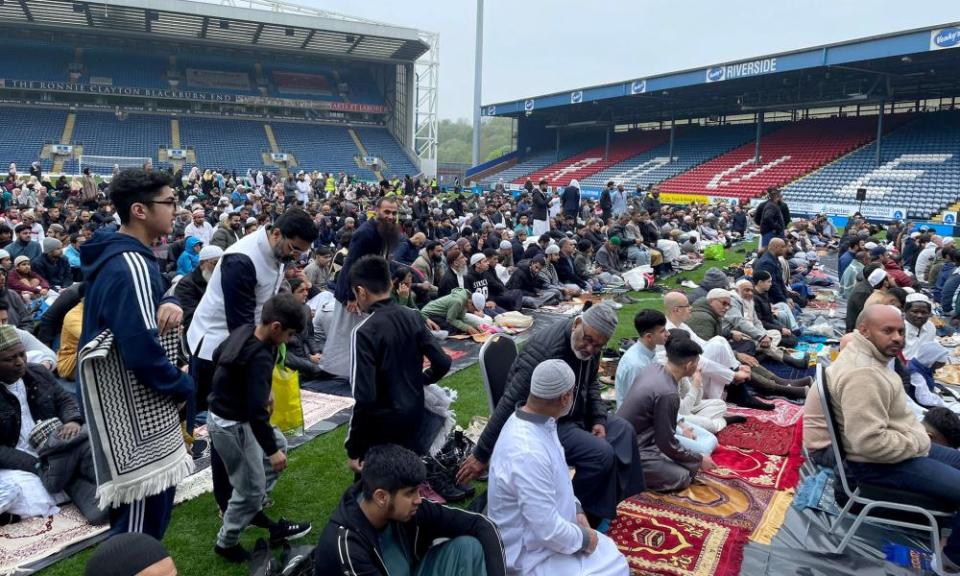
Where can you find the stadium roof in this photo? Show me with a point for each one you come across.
(915, 64)
(305, 31)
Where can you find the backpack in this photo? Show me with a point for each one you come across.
(758, 213)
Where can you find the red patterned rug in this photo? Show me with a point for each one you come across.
(784, 414)
(756, 434)
(756, 468)
(453, 354)
(661, 540)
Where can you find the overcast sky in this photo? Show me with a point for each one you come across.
(534, 47)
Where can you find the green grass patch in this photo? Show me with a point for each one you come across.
(311, 486)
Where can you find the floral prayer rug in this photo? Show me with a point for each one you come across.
(784, 413)
(756, 434)
(33, 539)
(663, 541)
(756, 468)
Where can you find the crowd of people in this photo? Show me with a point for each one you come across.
(196, 283)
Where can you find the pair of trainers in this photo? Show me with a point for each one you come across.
(283, 531)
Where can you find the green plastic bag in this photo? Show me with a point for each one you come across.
(714, 252)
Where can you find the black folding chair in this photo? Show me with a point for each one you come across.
(496, 357)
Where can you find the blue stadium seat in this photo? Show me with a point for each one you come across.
(25, 130)
(919, 170)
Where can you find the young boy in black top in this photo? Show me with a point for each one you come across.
(239, 422)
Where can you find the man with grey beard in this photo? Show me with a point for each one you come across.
(378, 237)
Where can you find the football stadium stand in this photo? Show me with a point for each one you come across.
(785, 155)
(25, 130)
(222, 143)
(379, 143)
(692, 146)
(317, 147)
(105, 134)
(919, 171)
(591, 161)
(538, 160)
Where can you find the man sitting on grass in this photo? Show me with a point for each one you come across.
(383, 526)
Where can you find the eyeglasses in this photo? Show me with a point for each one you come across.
(168, 202)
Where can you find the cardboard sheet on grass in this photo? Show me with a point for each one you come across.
(36, 543)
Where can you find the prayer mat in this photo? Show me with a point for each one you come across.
(756, 434)
(453, 354)
(784, 414)
(732, 501)
(657, 540)
(820, 305)
(33, 539)
(756, 468)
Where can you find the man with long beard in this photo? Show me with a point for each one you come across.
(378, 237)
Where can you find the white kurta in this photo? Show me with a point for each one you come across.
(530, 498)
(917, 336)
(717, 363)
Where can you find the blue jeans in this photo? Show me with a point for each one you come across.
(937, 476)
(766, 237)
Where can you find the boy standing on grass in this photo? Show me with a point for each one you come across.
(239, 422)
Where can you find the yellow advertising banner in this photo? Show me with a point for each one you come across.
(674, 198)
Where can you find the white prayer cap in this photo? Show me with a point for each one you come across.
(876, 277)
(870, 245)
(505, 245)
(918, 297)
(478, 300)
(551, 378)
(210, 252)
(743, 280)
(552, 249)
(716, 293)
(476, 258)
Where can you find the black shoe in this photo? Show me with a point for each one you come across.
(751, 401)
(735, 419)
(286, 530)
(235, 554)
(444, 486)
(200, 448)
(8, 518)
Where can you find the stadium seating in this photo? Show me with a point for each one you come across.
(103, 134)
(537, 160)
(919, 171)
(786, 154)
(124, 68)
(380, 143)
(692, 146)
(25, 130)
(35, 61)
(318, 146)
(225, 143)
(591, 161)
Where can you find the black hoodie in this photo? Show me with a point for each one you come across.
(242, 381)
(349, 543)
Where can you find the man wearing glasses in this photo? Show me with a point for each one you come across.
(249, 273)
(124, 293)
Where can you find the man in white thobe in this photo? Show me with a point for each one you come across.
(530, 495)
(918, 329)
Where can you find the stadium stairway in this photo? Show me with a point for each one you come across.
(592, 161)
(918, 174)
(272, 140)
(786, 154)
(175, 141)
(363, 152)
(65, 137)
